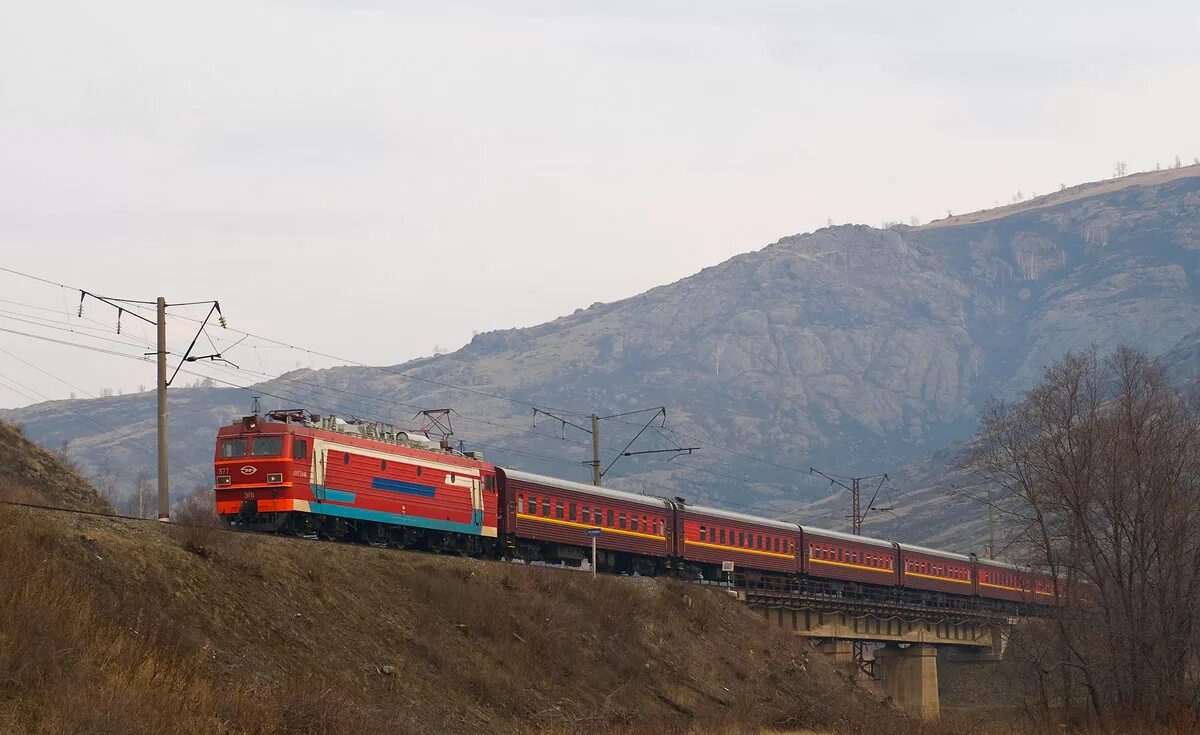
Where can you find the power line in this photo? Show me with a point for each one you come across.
(488, 394)
(474, 391)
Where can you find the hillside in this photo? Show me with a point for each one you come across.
(852, 349)
(30, 474)
(115, 625)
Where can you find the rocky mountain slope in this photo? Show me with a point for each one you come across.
(851, 349)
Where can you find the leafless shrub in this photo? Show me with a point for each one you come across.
(196, 516)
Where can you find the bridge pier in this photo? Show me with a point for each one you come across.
(841, 653)
(909, 677)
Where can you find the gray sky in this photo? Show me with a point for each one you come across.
(376, 178)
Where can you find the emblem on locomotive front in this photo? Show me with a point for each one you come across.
(249, 470)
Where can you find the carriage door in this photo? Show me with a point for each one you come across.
(320, 452)
(476, 501)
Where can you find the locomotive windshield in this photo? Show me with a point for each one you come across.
(233, 448)
(267, 446)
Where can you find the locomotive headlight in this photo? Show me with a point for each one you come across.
(275, 477)
(224, 480)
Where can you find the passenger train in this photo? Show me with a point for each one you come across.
(299, 473)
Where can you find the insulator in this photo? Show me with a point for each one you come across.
(224, 323)
(118, 321)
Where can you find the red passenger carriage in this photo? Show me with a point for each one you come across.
(548, 519)
(711, 537)
(848, 558)
(935, 571)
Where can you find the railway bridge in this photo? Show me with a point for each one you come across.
(887, 637)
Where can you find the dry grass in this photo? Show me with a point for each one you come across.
(30, 474)
(113, 625)
(1074, 193)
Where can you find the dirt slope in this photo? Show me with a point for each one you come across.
(114, 625)
(30, 474)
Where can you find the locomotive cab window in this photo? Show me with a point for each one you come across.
(233, 448)
(299, 448)
(267, 446)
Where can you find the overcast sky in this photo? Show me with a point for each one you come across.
(375, 178)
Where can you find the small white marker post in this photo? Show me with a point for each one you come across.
(595, 534)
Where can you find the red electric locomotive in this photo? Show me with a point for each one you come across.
(305, 474)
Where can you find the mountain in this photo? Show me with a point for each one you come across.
(851, 349)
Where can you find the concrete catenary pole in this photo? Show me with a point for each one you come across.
(164, 494)
(595, 450)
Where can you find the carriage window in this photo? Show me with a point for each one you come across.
(587, 514)
(299, 448)
(532, 505)
(267, 446)
(621, 521)
(722, 534)
(520, 503)
(233, 448)
(546, 507)
(558, 509)
(741, 538)
(571, 512)
(610, 519)
(703, 533)
(633, 524)
(662, 527)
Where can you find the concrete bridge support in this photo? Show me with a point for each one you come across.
(909, 678)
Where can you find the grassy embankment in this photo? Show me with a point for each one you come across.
(117, 625)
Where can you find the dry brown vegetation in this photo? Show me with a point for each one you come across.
(114, 625)
(30, 474)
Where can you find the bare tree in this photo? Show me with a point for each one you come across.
(140, 501)
(1098, 467)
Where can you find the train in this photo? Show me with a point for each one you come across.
(296, 472)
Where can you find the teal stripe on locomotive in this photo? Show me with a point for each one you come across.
(395, 519)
